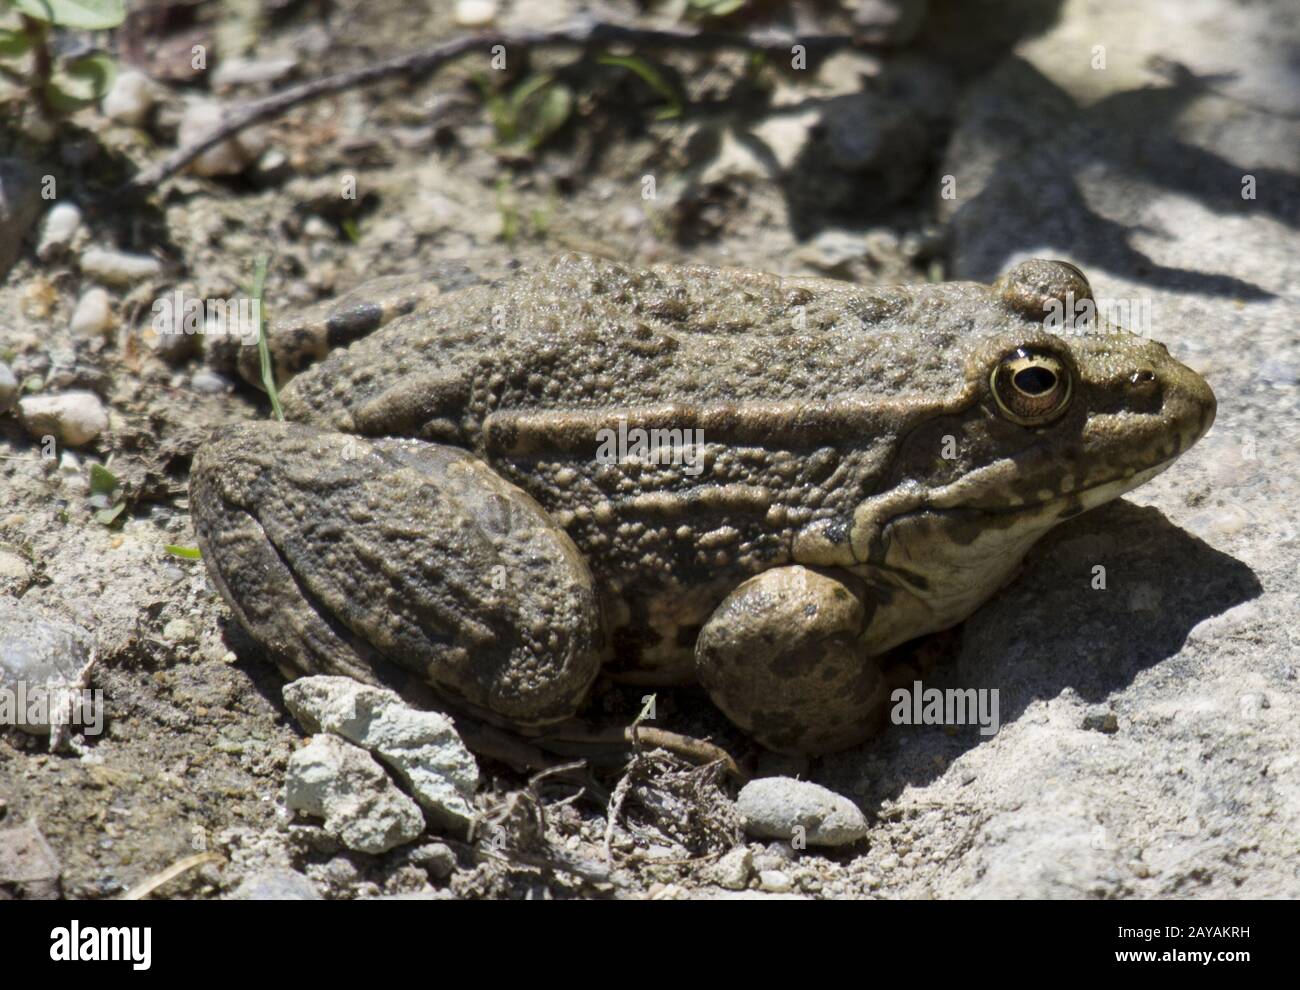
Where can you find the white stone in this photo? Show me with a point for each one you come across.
(73, 418)
(732, 871)
(784, 808)
(118, 267)
(93, 316)
(228, 158)
(57, 232)
(251, 72)
(475, 13)
(341, 783)
(775, 881)
(130, 99)
(422, 747)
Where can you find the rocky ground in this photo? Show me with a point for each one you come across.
(1149, 733)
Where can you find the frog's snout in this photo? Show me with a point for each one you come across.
(1189, 402)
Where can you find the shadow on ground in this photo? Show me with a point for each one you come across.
(1052, 632)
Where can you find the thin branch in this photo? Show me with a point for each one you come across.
(580, 32)
(142, 890)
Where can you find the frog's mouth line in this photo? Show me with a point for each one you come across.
(1081, 499)
(1040, 515)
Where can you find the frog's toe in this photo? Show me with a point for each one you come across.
(344, 555)
(782, 656)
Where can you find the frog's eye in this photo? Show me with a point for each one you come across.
(1031, 387)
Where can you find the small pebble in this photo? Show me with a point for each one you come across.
(475, 13)
(251, 72)
(210, 383)
(118, 267)
(228, 158)
(93, 316)
(732, 871)
(784, 808)
(276, 885)
(57, 232)
(130, 99)
(1101, 721)
(178, 631)
(775, 881)
(437, 859)
(73, 418)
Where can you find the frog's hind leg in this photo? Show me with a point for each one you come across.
(783, 657)
(342, 555)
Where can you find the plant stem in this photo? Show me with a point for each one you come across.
(42, 62)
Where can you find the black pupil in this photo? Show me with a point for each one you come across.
(1034, 381)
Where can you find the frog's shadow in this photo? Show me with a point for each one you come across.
(1052, 632)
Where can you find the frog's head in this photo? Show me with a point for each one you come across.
(1042, 427)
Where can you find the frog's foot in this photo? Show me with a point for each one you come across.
(783, 657)
(311, 333)
(370, 557)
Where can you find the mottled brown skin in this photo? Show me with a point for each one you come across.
(850, 430)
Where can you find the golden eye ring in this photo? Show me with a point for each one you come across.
(1031, 387)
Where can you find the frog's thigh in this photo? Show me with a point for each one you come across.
(783, 657)
(345, 556)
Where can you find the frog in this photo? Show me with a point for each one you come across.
(674, 474)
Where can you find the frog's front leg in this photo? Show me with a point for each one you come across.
(783, 656)
(365, 558)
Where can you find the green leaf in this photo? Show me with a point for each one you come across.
(185, 553)
(652, 77)
(532, 112)
(106, 517)
(89, 77)
(715, 8)
(527, 89)
(13, 44)
(89, 15)
(63, 101)
(103, 481)
(264, 348)
(551, 110)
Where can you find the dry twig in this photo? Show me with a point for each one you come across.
(580, 32)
